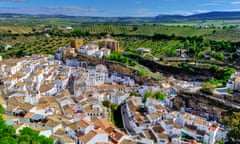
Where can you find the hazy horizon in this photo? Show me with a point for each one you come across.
(116, 8)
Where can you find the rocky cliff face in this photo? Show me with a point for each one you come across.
(118, 67)
(199, 74)
(202, 106)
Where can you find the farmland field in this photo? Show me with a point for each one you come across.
(26, 37)
(144, 29)
(205, 22)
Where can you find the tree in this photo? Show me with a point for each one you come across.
(8, 131)
(133, 93)
(44, 140)
(230, 90)
(2, 48)
(214, 31)
(160, 96)
(7, 140)
(146, 96)
(24, 139)
(106, 103)
(214, 68)
(208, 88)
(2, 110)
(135, 28)
(29, 131)
(219, 56)
(35, 137)
(233, 135)
(220, 142)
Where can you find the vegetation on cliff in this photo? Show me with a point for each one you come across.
(27, 135)
(233, 135)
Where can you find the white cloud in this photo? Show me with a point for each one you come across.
(231, 10)
(143, 12)
(186, 13)
(200, 11)
(235, 3)
(209, 4)
(82, 11)
(70, 10)
(213, 3)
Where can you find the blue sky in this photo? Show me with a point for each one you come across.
(117, 7)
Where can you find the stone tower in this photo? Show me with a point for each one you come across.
(76, 44)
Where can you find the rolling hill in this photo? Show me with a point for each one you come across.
(219, 15)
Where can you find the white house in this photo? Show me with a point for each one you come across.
(53, 125)
(84, 126)
(62, 139)
(234, 82)
(143, 50)
(20, 126)
(162, 138)
(73, 62)
(198, 128)
(43, 131)
(155, 117)
(94, 136)
(118, 97)
(47, 89)
(89, 49)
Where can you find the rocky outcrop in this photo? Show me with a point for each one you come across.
(198, 74)
(199, 104)
(118, 67)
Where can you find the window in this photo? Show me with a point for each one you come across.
(162, 141)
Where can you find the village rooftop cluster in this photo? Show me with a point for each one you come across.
(62, 98)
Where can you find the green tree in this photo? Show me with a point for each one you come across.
(8, 131)
(233, 136)
(24, 139)
(220, 142)
(29, 131)
(2, 48)
(35, 137)
(106, 103)
(214, 68)
(146, 96)
(160, 96)
(230, 90)
(45, 140)
(7, 140)
(208, 88)
(219, 56)
(214, 31)
(133, 93)
(2, 110)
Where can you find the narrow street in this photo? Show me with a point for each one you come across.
(126, 121)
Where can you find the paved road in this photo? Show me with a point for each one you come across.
(126, 121)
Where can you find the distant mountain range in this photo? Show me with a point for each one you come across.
(202, 16)
(220, 15)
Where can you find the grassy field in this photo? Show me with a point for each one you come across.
(226, 34)
(205, 22)
(144, 71)
(145, 29)
(35, 24)
(15, 29)
(34, 44)
(158, 48)
(40, 44)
